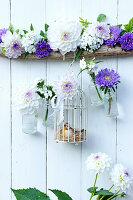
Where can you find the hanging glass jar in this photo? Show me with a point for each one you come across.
(29, 123)
(96, 95)
(71, 120)
(48, 112)
(110, 105)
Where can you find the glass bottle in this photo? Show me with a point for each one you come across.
(29, 123)
(96, 95)
(49, 118)
(110, 105)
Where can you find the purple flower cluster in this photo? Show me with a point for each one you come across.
(43, 49)
(2, 31)
(114, 36)
(107, 78)
(126, 41)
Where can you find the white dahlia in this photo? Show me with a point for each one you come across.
(64, 36)
(121, 178)
(27, 100)
(30, 40)
(11, 43)
(98, 162)
(65, 87)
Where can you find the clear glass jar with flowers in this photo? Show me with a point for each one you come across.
(28, 103)
(96, 95)
(108, 79)
(47, 94)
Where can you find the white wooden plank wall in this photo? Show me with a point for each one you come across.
(37, 161)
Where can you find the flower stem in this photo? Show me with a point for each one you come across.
(108, 190)
(116, 194)
(46, 115)
(110, 100)
(92, 194)
(98, 92)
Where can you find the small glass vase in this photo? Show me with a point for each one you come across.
(49, 118)
(29, 123)
(110, 105)
(96, 95)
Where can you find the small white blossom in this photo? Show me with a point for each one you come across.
(121, 178)
(94, 36)
(83, 64)
(30, 40)
(98, 162)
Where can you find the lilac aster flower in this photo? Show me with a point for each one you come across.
(2, 31)
(126, 41)
(42, 49)
(114, 35)
(107, 78)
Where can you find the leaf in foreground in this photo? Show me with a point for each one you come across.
(61, 195)
(29, 194)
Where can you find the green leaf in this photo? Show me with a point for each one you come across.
(123, 194)
(17, 31)
(30, 194)
(119, 25)
(101, 17)
(104, 192)
(31, 27)
(42, 33)
(61, 195)
(3, 50)
(25, 31)
(92, 190)
(11, 28)
(46, 27)
(25, 55)
(80, 51)
(129, 26)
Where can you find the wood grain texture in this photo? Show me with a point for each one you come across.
(104, 51)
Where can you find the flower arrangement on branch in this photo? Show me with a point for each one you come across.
(121, 178)
(65, 36)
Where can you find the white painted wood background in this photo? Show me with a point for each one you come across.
(37, 161)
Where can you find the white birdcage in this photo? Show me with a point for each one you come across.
(73, 126)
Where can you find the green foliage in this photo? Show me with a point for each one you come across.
(129, 27)
(61, 195)
(11, 28)
(92, 190)
(104, 192)
(80, 51)
(3, 50)
(84, 23)
(46, 27)
(17, 31)
(44, 35)
(101, 17)
(31, 27)
(25, 31)
(30, 194)
(25, 55)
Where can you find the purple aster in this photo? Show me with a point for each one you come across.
(43, 49)
(114, 35)
(107, 78)
(126, 41)
(2, 31)
(15, 45)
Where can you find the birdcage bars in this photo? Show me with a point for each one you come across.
(73, 127)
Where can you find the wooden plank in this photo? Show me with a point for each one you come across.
(64, 160)
(125, 99)
(5, 117)
(104, 51)
(101, 129)
(28, 151)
